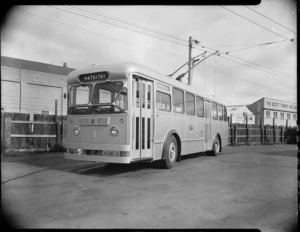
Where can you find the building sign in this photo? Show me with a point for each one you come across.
(284, 106)
(40, 79)
(93, 76)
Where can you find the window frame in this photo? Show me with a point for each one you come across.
(187, 105)
(170, 102)
(225, 116)
(220, 117)
(199, 99)
(173, 99)
(215, 117)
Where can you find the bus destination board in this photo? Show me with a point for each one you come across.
(98, 76)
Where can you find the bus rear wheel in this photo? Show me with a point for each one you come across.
(170, 152)
(216, 147)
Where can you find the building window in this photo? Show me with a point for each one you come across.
(288, 116)
(200, 107)
(267, 114)
(275, 115)
(178, 103)
(190, 104)
(281, 115)
(294, 117)
(214, 110)
(163, 101)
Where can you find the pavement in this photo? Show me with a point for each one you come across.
(243, 187)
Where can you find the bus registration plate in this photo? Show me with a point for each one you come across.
(111, 153)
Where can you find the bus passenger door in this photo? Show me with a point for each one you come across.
(142, 133)
(207, 125)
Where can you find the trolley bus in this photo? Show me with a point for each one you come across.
(124, 113)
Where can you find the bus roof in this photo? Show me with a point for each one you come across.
(121, 71)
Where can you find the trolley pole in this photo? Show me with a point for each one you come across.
(190, 60)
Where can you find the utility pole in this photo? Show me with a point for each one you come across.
(190, 60)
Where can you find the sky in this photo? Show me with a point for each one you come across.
(256, 57)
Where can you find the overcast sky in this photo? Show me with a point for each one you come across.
(157, 36)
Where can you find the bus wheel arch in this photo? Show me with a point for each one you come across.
(172, 136)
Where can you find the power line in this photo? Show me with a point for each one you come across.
(157, 49)
(274, 71)
(125, 27)
(253, 83)
(129, 23)
(85, 16)
(269, 19)
(257, 45)
(97, 34)
(256, 23)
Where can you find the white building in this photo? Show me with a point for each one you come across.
(33, 87)
(268, 111)
(239, 113)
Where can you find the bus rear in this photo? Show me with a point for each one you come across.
(97, 121)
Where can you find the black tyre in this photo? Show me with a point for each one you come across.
(216, 147)
(170, 152)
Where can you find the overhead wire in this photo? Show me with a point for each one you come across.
(256, 23)
(257, 45)
(95, 33)
(273, 72)
(167, 52)
(173, 38)
(114, 24)
(269, 19)
(253, 83)
(129, 23)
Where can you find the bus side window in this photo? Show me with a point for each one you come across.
(199, 107)
(178, 101)
(163, 101)
(214, 112)
(220, 112)
(190, 104)
(225, 113)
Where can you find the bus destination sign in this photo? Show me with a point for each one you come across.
(93, 76)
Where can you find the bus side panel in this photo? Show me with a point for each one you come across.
(200, 133)
(163, 124)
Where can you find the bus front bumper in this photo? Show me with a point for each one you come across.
(96, 158)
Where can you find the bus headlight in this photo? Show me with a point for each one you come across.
(114, 131)
(76, 130)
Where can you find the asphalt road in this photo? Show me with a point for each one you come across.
(243, 187)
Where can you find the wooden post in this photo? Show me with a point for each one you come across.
(235, 134)
(274, 130)
(247, 131)
(282, 139)
(266, 134)
(7, 134)
(262, 134)
(232, 134)
(57, 125)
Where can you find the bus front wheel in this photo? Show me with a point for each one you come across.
(170, 152)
